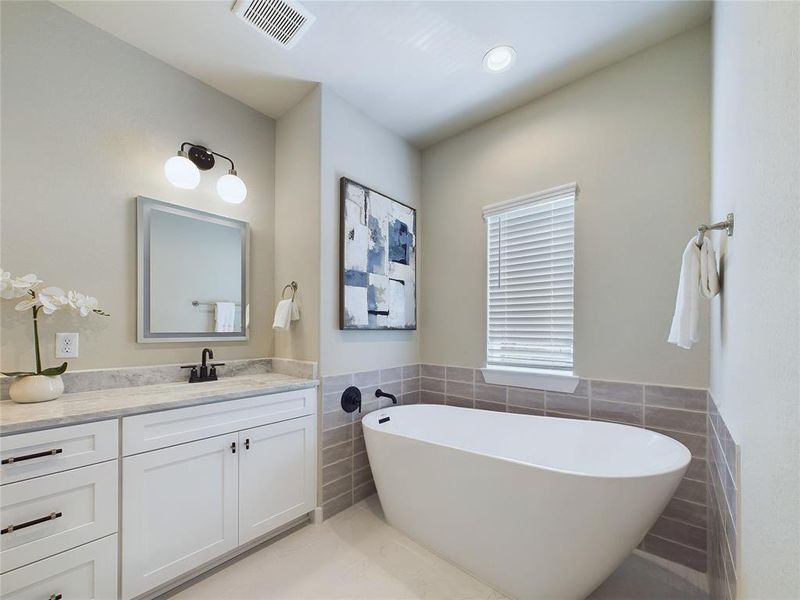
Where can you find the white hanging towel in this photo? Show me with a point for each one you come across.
(709, 279)
(283, 315)
(224, 316)
(286, 312)
(683, 332)
(698, 276)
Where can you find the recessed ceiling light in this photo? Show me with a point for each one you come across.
(499, 58)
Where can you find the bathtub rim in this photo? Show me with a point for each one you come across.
(375, 414)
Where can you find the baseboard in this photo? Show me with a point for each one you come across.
(188, 579)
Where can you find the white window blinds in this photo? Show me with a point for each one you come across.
(530, 280)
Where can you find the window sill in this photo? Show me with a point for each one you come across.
(537, 379)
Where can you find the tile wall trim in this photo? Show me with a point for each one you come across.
(679, 535)
(723, 456)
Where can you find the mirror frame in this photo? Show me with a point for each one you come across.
(144, 208)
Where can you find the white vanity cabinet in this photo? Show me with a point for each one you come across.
(128, 506)
(186, 504)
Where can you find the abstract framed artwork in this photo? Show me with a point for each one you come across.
(379, 260)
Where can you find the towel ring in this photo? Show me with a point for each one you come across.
(293, 286)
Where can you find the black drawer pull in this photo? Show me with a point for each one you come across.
(15, 459)
(13, 528)
(247, 444)
(233, 447)
(55, 597)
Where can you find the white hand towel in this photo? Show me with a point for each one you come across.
(709, 280)
(295, 311)
(283, 315)
(683, 332)
(224, 316)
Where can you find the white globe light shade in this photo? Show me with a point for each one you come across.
(231, 189)
(182, 173)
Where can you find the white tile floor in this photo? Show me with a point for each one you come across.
(357, 555)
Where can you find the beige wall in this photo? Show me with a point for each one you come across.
(635, 136)
(320, 140)
(356, 147)
(755, 369)
(87, 123)
(297, 224)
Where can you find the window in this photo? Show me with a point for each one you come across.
(530, 281)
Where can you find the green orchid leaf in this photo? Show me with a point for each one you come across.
(18, 374)
(54, 370)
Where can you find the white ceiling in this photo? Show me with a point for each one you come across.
(415, 67)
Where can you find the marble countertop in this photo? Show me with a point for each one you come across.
(83, 407)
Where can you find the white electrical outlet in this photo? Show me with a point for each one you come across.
(66, 345)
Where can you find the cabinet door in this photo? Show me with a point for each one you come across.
(277, 475)
(179, 510)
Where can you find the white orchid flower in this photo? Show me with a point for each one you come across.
(87, 304)
(52, 298)
(6, 288)
(27, 304)
(55, 292)
(11, 287)
(23, 285)
(72, 298)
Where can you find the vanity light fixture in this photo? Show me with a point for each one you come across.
(499, 59)
(183, 171)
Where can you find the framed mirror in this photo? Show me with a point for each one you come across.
(192, 274)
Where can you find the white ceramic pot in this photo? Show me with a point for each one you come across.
(36, 388)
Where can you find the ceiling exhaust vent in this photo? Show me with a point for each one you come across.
(282, 21)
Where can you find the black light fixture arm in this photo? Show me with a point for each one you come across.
(208, 151)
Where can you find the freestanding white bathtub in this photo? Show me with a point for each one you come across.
(537, 507)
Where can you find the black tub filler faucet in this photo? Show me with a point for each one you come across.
(351, 398)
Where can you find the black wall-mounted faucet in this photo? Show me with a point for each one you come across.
(351, 398)
(379, 393)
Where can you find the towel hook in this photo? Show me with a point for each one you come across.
(727, 225)
(293, 286)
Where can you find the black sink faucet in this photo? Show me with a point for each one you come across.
(207, 372)
(207, 353)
